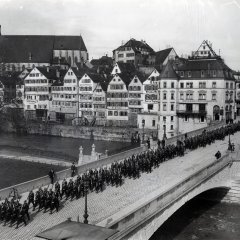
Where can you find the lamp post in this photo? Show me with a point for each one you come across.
(85, 216)
(143, 124)
(229, 139)
(164, 134)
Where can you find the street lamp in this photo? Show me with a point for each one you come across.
(164, 134)
(143, 124)
(229, 139)
(85, 216)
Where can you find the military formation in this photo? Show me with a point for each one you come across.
(98, 179)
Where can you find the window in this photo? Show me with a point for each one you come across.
(227, 85)
(130, 54)
(202, 119)
(150, 106)
(172, 118)
(202, 84)
(202, 96)
(181, 85)
(172, 96)
(189, 74)
(202, 73)
(189, 107)
(189, 96)
(164, 85)
(164, 96)
(171, 128)
(214, 73)
(181, 96)
(172, 107)
(172, 84)
(202, 107)
(214, 96)
(214, 84)
(231, 85)
(164, 107)
(153, 123)
(120, 55)
(164, 119)
(110, 113)
(181, 74)
(115, 113)
(186, 118)
(189, 85)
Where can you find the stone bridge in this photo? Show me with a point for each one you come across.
(140, 220)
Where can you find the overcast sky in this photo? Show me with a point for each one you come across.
(104, 24)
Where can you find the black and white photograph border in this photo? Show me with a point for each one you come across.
(119, 119)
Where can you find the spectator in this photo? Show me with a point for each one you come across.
(51, 175)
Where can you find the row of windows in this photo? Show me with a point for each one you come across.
(117, 104)
(116, 86)
(99, 99)
(116, 113)
(202, 73)
(201, 96)
(132, 102)
(85, 105)
(40, 106)
(165, 96)
(172, 107)
(63, 88)
(36, 89)
(35, 75)
(69, 80)
(85, 88)
(150, 97)
(117, 95)
(151, 87)
(34, 81)
(134, 88)
(66, 104)
(67, 96)
(134, 95)
(85, 97)
(86, 80)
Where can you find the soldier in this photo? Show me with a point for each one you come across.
(51, 175)
(31, 198)
(25, 208)
(73, 169)
(21, 217)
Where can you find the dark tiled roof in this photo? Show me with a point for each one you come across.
(142, 77)
(135, 45)
(203, 64)
(128, 68)
(125, 77)
(162, 55)
(51, 73)
(10, 79)
(18, 48)
(103, 61)
(169, 72)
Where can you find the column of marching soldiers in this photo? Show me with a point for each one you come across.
(11, 211)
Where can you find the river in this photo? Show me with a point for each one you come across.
(202, 220)
(59, 145)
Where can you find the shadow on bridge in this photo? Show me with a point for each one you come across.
(192, 218)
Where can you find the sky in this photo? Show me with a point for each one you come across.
(106, 24)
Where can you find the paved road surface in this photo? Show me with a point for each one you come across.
(112, 200)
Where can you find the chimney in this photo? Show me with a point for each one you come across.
(47, 68)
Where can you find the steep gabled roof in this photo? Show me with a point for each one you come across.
(127, 68)
(52, 73)
(162, 55)
(169, 72)
(125, 77)
(36, 48)
(136, 46)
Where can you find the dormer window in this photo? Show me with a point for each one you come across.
(202, 73)
(30, 56)
(189, 74)
(182, 74)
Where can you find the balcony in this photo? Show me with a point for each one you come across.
(196, 113)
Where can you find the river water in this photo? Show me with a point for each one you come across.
(202, 220)
(59, 145)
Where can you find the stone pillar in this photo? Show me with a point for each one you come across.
(106, 153)
(80, 158)
(93, 153)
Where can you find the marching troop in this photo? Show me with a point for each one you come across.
(11, 211)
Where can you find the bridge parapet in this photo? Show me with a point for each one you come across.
(162, 203)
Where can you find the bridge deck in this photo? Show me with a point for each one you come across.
(103, 205)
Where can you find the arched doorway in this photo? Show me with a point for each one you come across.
(216, 113)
